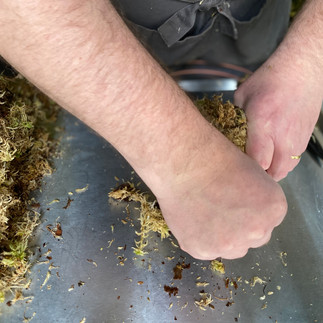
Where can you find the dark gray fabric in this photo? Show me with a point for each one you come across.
(179, 24)
(242, 32)
(247, 11)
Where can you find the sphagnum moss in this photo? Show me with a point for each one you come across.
(25, 147)
(150, 215)
(230, 120)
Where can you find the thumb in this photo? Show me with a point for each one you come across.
(260, 147)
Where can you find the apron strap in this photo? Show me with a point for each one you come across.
(178, 25)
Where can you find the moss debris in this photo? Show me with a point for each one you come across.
(25, 146)
(230, 120)
(150, 216)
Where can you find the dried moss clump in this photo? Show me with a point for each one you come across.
(150, 217)
(24, 150)
(230, 120)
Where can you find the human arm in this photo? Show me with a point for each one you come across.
(283, 97)
(216, 200)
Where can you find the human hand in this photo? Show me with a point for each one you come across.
(282, 101)
(223, 209)
(215, 199)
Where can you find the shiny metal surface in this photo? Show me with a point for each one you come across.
(88, 255)
(208, 85)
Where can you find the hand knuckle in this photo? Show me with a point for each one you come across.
(257, 233)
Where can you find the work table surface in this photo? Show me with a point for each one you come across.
(96, 277)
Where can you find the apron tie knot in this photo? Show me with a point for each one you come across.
(179, 24)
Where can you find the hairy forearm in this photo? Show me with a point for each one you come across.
(303, 45)
(216, 200)
(306, 31)
(81, 55)
(84, 57)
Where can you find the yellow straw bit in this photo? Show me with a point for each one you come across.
(204, 302)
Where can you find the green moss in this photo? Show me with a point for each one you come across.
(24, 151)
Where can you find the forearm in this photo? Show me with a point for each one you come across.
(216, 200)
(83, 56)
(304, 42)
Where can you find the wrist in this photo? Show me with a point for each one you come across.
(197, 153)
(173, 154)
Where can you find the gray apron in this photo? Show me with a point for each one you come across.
(241, 32)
